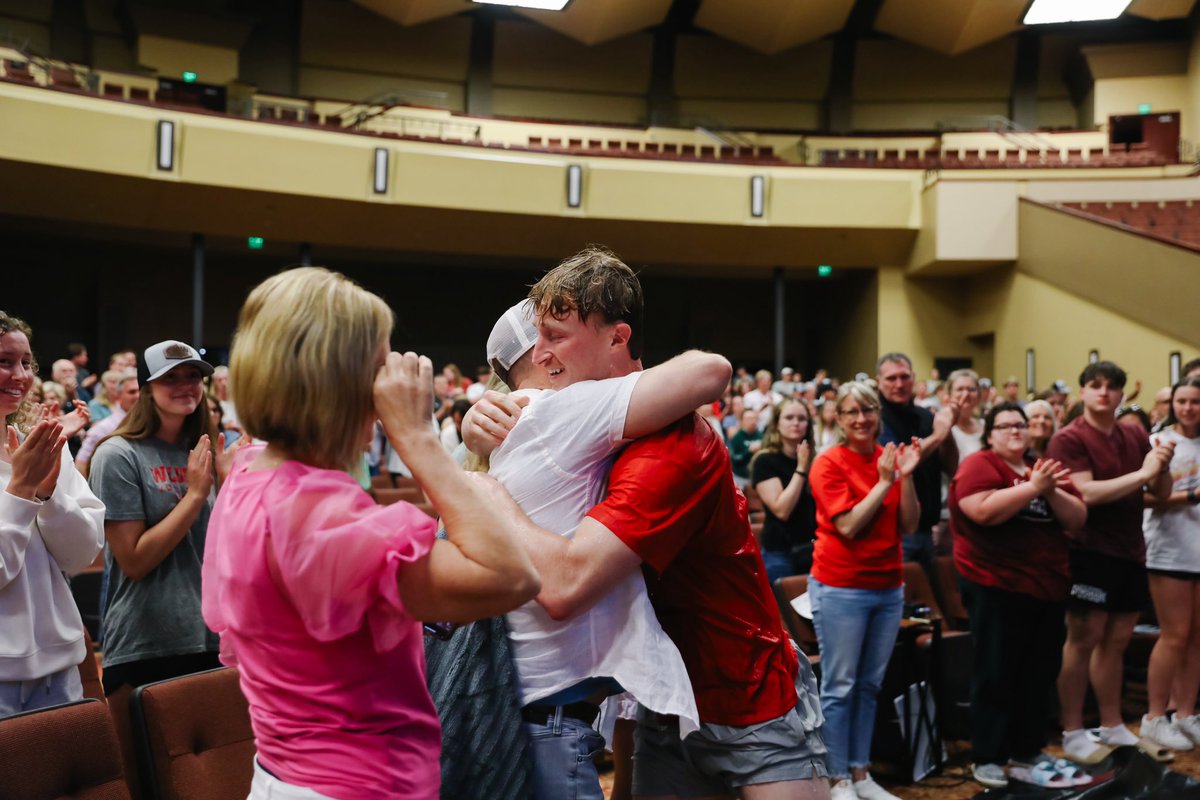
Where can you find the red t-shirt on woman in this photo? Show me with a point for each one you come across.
(1026, 554)
(840, 479)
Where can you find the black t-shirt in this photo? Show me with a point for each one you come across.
(801, 527)
(900, 424)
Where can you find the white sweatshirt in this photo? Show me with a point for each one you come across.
(41, 631)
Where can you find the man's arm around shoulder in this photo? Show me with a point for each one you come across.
(674, 388)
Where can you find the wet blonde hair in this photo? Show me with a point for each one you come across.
(302, 370)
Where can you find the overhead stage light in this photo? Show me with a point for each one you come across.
(1045, 12)
(540, 5)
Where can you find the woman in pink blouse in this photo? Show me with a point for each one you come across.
(318, 593)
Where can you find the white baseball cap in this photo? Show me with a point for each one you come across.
(513, 335)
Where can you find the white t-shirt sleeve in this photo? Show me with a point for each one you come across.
(585, 422)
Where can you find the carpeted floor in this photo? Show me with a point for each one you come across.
(955, 782)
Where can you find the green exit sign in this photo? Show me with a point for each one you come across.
(189, 77)
(254, 242)
(1144, 108)
(824, 271)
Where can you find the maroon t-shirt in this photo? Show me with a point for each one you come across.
(672, 501)
(1026, 554)
(1114, 529)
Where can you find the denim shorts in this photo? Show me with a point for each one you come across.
(720, 759)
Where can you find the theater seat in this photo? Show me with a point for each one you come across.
(63, 752)
(89, 672)
(194, 737)
(786, 590)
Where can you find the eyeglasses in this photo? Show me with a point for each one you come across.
(1010, 426)
(857, 412)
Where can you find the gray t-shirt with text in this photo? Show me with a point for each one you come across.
(158, 615)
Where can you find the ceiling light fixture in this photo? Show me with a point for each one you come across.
(1046, 12)
(540, 5)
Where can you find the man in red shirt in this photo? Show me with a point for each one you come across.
(673, 511)
(1110, 464)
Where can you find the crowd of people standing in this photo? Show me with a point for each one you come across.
(610, 534)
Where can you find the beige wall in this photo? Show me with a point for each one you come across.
(1124, 95)
(33, 29)
(1133, 276)
(172, 57)
(1062, 328)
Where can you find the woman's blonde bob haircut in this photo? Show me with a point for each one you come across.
(867, 401)
(304, 361)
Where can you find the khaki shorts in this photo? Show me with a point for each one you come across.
(719, 759)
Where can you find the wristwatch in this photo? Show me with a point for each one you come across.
(1192, 497)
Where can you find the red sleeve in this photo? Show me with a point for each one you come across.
(1069, 448)
(654, 506)
(977, 474)
(831, 490)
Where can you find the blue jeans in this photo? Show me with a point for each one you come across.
(778, 564)
(856, 631)
(564, 766)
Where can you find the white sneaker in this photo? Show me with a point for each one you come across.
(1117, 736)
(1189, 725)
(1163, 732)
(842, 790)
(868, 789)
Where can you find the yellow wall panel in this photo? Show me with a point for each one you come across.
(1124, 95)
(50, 128)
(983, 73)
(1062, 328)
(539, 104)
(711, 67)
(754, 114)
(528, 55)
(172, 57)
(351, 86)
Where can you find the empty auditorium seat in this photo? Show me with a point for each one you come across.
(68, 751)
(64, 78)
(194, 737)
(18, 71)
(786, 590)
(948, 592)
(89, 672)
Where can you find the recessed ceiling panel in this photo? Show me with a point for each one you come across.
(1161, 9)
(772, 26)
(595, 21)
(414, 12)
(950, 26)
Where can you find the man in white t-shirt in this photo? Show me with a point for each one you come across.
(554, 463)
(762, 398)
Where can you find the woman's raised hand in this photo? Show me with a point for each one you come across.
(404, 396)
(908, 458)
(887, 464)
(223, 457)
(803, 456)
(76, 421)
(200, 468)
(35, 461)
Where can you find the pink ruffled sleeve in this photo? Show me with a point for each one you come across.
(339, 554)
